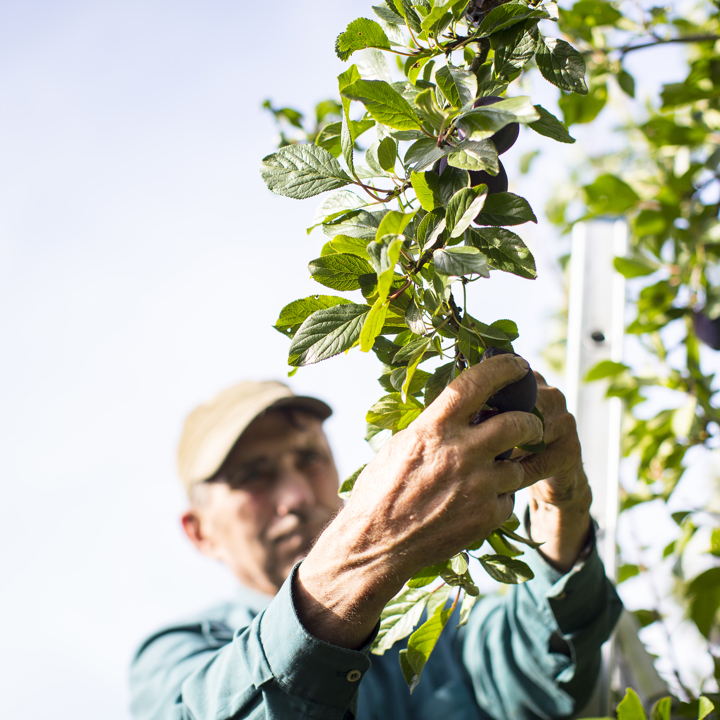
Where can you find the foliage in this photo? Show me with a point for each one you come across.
(666, 181)
(407, 223)
(631, 708)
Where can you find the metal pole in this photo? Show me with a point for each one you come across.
(596, 326)
(595, 333)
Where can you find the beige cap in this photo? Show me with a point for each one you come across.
(212, 429)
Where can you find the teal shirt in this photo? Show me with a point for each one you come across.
(531, 652)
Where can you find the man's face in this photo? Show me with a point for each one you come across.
(273, 496)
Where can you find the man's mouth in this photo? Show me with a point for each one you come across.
(286, 528)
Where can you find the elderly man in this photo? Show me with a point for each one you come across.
(315, 576)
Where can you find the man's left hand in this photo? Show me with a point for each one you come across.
(560, 495)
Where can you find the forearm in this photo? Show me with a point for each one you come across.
(343, 585)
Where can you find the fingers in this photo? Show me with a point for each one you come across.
(551, 403)
(471, 390)
(562, 458)
(508, 478)
(505, 431)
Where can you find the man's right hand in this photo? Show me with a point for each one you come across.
(434, 489)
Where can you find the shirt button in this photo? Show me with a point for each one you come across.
(353, 676)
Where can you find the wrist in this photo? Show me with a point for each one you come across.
(562, 527)
(343, 585)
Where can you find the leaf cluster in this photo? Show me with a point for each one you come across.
(407, 223)
(666, 182)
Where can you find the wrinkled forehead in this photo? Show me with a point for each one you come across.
(275, 432)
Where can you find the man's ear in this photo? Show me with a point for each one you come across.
(194, 527)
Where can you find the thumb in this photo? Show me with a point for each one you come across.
(473, 388)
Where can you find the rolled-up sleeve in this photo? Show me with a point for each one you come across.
(272, 668)
(534, 652)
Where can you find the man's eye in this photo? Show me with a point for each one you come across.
(310, 457)
(248, 479)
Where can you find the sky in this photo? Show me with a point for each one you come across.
(142, 264)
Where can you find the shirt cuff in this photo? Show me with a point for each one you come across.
(303, 665)
(578, 596)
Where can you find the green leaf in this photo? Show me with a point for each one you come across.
(373, 324)
(705, 707)
(502, 546)
(301, 171)
(411, 368)
(294, 314)
(457, 85)
(625, 572)
(340, 271)
(348, 245)
(393, 223)
(579, 109)
(471, 155)
(661, 709)
(360, 34)
(387, 12)
(349, 483)
(609, 195)
(460, 261)
(514, 47)
(406, 9)
(506, 209)
(439, 380)
(427, 188)
(504, 250)
(329, 138)
(438, 16)
(327, 333)
(483, 122)
(468, 602)
(392, 413)
(510, 329)
(630, 707)
(384, 104)
(420, 645)
(355, 223)
(387, 154)
(427, 103)
(626, 82)
(650, 222)
(704, 594)
(423, 153)
(647, 617)
(605, 369)
(561, 64)
(507, 531)
(431, 229)
(506, 15)
(414, 318)
(549, 126)
(426, 575)
(412, 350)
(634, 267)
(506, 570)
(459, 563)
(462, 209)
(438, 599)
(399, 618)
(339, 202)
(347, 141)
(384, 257)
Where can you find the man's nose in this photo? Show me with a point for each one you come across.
(294, 492)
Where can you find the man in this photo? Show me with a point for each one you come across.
(295, 641)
